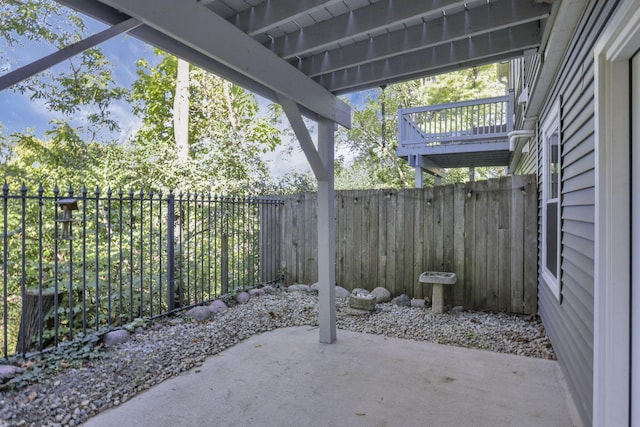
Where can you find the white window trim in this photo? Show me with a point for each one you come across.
(550, 124)
(611, 391)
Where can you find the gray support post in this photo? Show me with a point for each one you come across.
(419, 176)
(472, 174)
(326, 236)
(438, 180)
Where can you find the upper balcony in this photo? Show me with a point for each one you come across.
(459, 134)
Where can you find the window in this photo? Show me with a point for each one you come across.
(551, 201)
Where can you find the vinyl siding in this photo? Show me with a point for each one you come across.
(569, 322)
(527, 163)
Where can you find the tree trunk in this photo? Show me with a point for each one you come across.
(32, 321)
(181, 111)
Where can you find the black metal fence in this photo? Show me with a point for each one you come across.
(83, 261)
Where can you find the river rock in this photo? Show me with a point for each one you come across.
(315, 287)
(298, 287)
(342, 292)
(8, 371)
(256, 292)
(360, 291)
(116, 337)
(418, 302)
(199, 313)
(218, 306)
(457, 310)
(381, 294)
(243, 298)
(402, 300)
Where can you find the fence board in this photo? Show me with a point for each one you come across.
(517, 248)
(504, 248)
(485, 232)
(372, 261)
(438, 230)
(428, 237)
(382, 238)
(480, 269)
(459, 197)
(357, 241)
(469, 242)
(418, 244)
(447, 233)
(341, 241)
(405, 250)
(310, 240)
(392, 210)
(530, 253)
(493, 210)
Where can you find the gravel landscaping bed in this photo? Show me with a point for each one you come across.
(79, 389)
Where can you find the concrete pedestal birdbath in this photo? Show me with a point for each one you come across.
(438, 279)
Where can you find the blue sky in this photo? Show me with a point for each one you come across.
(20, 114)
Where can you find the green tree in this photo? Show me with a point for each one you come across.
(225, 134)
(33, 20)
(79, 94)
(80, 143)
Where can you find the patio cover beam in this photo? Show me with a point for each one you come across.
(271, 14)
(65, 53)
(489, 17)
(361, 21)
(304, 138)
(197, 27)
(482, 49)
(154, 37)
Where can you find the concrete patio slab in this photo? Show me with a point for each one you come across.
(287, 378)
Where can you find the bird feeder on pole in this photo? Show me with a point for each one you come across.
(68, 206)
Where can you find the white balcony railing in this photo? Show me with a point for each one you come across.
(467, 122)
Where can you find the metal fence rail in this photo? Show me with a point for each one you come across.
(83, 261)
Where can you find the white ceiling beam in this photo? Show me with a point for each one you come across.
(360, 21)
(274, 13)
(489, 17)
(198, 28)
(480, 49)
(46, 62)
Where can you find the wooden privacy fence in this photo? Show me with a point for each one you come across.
(485, 232)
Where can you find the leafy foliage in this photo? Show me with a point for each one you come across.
(33, 20)
(226, 135)
(375, 164)
(85, 348)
